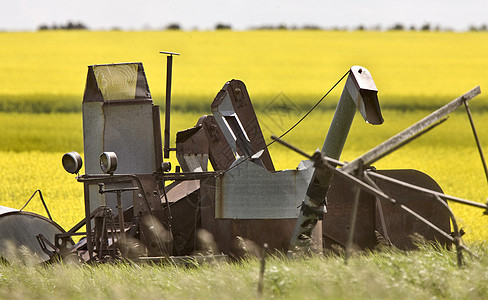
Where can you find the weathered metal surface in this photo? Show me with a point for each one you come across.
(220, 153)
(248, 191)
(359, 92)
(119, 116)
(275, 232)
(401, 226)
(18, 231)
(402, 137)
(192, 149)
(336, 222)
(236, 118)
(205, 141)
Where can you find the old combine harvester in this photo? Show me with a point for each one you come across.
(136, 208)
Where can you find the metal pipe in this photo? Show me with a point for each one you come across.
(480, 150)
(427, 191)
(414, 130)
(352, 223)
(89, 241)
(167, 110)
(43, 203)
(359, 93)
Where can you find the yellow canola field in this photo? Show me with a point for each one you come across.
(404, 64)
(408, 67)
(447, 154)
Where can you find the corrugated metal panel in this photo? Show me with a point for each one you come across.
(249, 191)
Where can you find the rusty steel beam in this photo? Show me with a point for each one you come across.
(404, 136)
(427, 191)
(478, 144)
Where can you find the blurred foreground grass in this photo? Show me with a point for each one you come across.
(384, 274)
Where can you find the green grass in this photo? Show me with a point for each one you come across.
(385, 274)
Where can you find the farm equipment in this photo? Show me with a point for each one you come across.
(136, 208)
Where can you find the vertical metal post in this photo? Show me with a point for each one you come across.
(167, 110)
(354, 213)
(89, 241)
(480, 150)
(261, 270)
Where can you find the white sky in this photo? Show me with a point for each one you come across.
(18, 15)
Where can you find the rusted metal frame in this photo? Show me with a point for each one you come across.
(406, 135)
(88, 179)
(320, 162)
(331, 161)
(119, 192)
(427, 191)
(378, 193)
(102, 237)
(43, 203)
(87, 233)
(439, 196)
(185, 176)
(170, 216)
(42, 243)
(456, 238)
(379, 207)
(354, 213)
(89, 241)
(456, 233)
(80, 224)
(480, 150)
(91, 179)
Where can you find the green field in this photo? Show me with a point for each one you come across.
(42, 81)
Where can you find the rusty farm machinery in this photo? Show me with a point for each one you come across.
(137, 208)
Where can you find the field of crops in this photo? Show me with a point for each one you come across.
(43, 75)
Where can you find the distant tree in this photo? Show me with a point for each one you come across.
(72, 25)
(311, 27)
(69, 26)
(397, 27)
(282, 27)
(482, 27)
(173, 26)
(425, 27)
(360, 28)
(221, 26)
(412, 28)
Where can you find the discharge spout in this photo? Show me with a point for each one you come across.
(359, 93)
